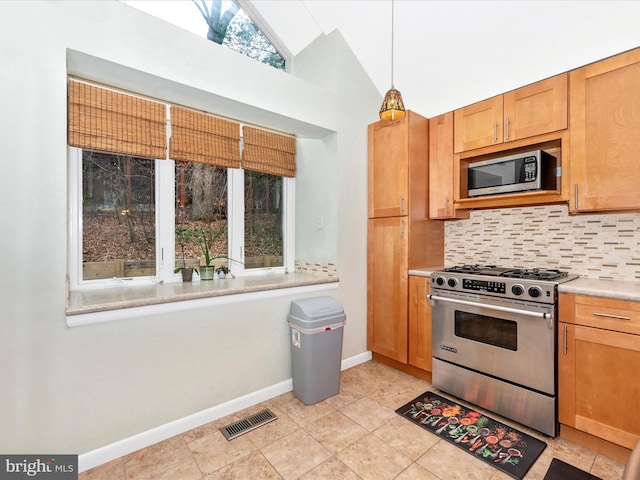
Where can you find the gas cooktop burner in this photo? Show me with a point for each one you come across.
(536, 274)
(492, 270)
(468, 268)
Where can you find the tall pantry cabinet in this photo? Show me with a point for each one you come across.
(400, 234)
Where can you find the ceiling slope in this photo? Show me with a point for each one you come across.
(452, 53)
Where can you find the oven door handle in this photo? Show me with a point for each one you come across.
(434, 298)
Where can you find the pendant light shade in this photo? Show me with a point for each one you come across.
(392, 106)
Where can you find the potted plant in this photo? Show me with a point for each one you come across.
(205, 239)
(184, 237)
(187, 272)
(222, 271)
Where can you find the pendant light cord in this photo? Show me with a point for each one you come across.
(392, 22)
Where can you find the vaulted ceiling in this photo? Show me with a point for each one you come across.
(451, 53)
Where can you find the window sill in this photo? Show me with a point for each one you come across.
(85, 307)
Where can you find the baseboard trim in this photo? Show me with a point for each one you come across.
(99, 456)
(355, 360)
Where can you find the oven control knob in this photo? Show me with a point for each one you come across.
(452, 282)
(517, 289)
(440, 281)
(535, 292)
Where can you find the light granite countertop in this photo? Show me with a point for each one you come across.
(616, 289)
(425, 272)
(122, 296)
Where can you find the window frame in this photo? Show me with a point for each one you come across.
(165, 226)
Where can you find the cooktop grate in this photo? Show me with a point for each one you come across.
(247, 424)
(493, 271)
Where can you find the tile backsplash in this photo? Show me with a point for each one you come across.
(317, 268)
(594, 246)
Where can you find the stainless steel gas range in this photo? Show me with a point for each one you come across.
(494, 340)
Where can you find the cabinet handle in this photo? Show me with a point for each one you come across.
(507, 132)
(575, 194)
(446, 207)
(402, 204)
(401, 228)
(608, 315)
(495, 132)
(564, 348)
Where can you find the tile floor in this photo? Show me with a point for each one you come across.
(354, 435)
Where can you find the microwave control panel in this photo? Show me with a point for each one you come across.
(530, 169)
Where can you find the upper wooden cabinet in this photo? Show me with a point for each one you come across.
(526, 112)
(478, 125)
(398, 167)
(605, 135)
(388, 168)
(441, 169)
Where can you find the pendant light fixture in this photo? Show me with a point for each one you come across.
(392, 106)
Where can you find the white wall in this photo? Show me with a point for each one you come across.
(74, 390)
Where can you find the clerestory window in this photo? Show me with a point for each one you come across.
(221, 21)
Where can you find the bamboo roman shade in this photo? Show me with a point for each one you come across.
(108, 121)
(198, 137)
(268, 152)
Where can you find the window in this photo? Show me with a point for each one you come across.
(243, 36)
(201, 213)
(221, 21)
(118, 216)
(137, 219)
(263, 220)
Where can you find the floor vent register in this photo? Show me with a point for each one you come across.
(247, 424)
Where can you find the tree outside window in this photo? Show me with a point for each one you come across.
(200, 213)
(263, 232)
(232, 28)
(118, 216)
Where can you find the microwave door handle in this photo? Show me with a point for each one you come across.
(434, 298)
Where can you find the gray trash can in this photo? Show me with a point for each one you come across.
(316, 347)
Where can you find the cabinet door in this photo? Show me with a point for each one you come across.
(566, 374)
(605, 134)
(419, 323)
(441, 171)
(598, 391)
(478, 125)
(388, 168)
(387, 290)
(536, 109)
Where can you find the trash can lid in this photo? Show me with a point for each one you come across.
(316, 311)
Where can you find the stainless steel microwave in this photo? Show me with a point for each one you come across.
(522, 172)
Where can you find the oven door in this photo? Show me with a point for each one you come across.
(510, 340)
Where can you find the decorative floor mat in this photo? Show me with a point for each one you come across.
(497, 444)
(559, 470)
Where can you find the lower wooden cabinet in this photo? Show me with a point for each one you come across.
(419, 323)
(387, 287)
(598, 364)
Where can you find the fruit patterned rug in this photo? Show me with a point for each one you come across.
(493, 442)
